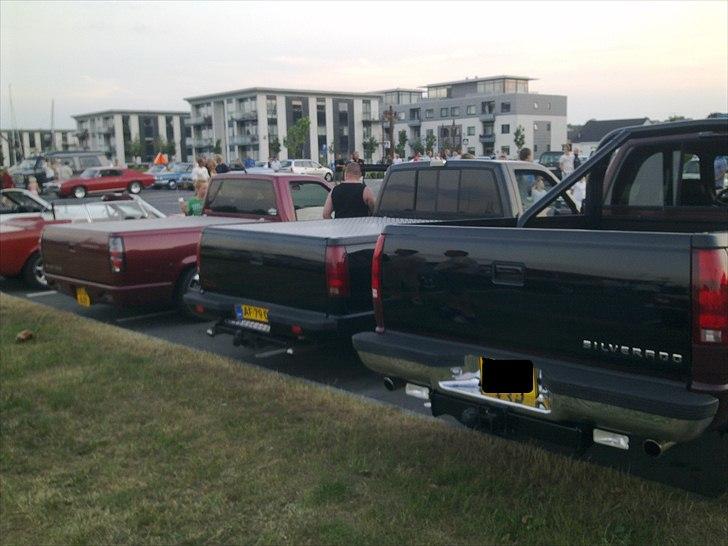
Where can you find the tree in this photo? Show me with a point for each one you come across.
(370, 145)
(417, 146)
(399, 148)
(296, 137)
(135, 149)
(430, 142)
(169, 148)
(519, 137)
(676, 118)
(274, 146)
(217, 149)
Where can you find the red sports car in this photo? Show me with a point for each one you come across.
(101, 180)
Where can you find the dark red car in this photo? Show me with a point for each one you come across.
(154, 261)
(101, 180)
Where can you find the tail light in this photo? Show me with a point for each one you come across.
(710, 320)
(116, 254)
(377, 284)
(337, 271)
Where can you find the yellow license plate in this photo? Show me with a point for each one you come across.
(258, 314)
(487, 369)
(82, 297)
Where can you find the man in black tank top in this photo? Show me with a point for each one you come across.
(351, 198)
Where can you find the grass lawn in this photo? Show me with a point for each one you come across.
(113, 437)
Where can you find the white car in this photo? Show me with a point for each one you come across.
(306, 166)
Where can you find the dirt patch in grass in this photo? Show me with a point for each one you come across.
(113, 437)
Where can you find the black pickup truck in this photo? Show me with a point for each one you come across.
(621, 309)
(309, 282)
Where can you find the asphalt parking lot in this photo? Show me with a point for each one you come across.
(701, 466)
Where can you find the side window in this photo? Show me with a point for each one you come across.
(641, 180)
(308, 199)
(479, 193)
(87, 161)
(398, 195)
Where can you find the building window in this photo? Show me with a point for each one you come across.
(320, 113)
(505, 107)
(438, 92)
(548, 106)
(455, 111)
(414, 114)
(430, 132)
(535, 106)
(506, 150)
(548, 127)
(443, 112)
(271, 106)
(492, 87)
(297, 110)
(535, 148)
(471, 130)
(505, 129)
(429, 113)
(470, 110)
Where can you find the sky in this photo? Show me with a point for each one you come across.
(611, 59)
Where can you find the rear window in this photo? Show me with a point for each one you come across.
(249, 196)
(399, 193)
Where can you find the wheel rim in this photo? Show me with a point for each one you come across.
(135, 187)
(39, 274)
(172, 185)
(328, 177)
(79, 193)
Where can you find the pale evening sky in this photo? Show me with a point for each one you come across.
(611, 59)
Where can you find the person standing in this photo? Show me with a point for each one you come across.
(566, 162)
(194, 206)
(211, 166)
(525, 154)
(351, 198)
(275, 164)
(199, 171)
(356, 159)
(249, 162)
(577, 159)
(65, 171)
(220, 166)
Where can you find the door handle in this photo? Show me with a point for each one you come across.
(509, 274)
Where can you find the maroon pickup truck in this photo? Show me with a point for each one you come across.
(154, 261)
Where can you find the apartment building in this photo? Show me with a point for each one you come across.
(253, 123)
(136, 135)
(480, 116)
(17, 144)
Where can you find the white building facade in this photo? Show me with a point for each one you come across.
(253, 123)
(135, 135)
(480, 116)
(15, 145)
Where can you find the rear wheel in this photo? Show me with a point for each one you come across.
(33, 273)
(79, 192)
(189, 281)
(328, 177)
(135, 187)
(172, 185)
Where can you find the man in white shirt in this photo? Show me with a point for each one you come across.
(275, 164)
(199, 171)
(65, 172)
(566, 162)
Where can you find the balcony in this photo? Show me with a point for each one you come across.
(237, 115)
(368, 117)
(484, 116)
(487, 139)
(243, 140)
(201, 120)
(202, 142)
(414, 122)
(105, 130)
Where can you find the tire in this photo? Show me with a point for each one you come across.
(134, 187)
(328, 177)
(79, 192)
(172, 185)
(187, 281)
(33, 274)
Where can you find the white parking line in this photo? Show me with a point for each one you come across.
(39, 294)
(148, 315)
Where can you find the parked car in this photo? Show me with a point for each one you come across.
(102, 180)
(618, 314)
(154, 262)
(39, 165)
(306, 166)
(24, 215)
(310, 282)
(550, 160)
(169, 178)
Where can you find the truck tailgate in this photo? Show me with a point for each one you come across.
(622, 299)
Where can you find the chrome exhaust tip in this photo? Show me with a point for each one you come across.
(393, 383)
(655, 448)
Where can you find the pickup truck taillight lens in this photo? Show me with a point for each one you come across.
(116, 254)
(710, 297)
(337, 271)
(377, 284)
